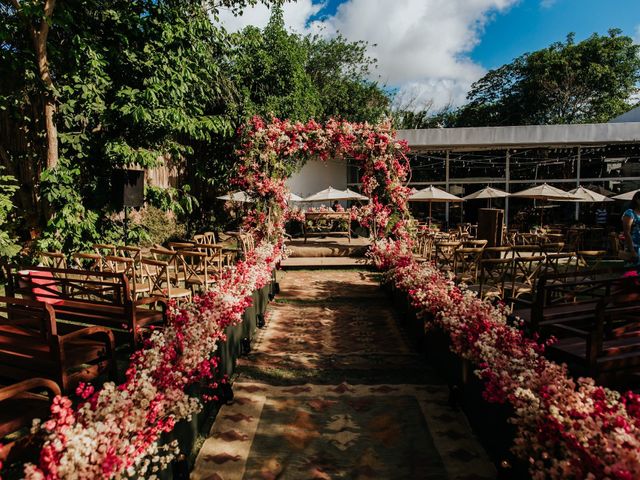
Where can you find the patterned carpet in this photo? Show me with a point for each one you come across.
(333, 390)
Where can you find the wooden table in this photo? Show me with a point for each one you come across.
(332, 217)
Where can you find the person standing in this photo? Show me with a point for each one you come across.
(631, 227)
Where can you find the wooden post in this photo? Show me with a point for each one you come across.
(578, 162)
(446, 179)
(507, 178)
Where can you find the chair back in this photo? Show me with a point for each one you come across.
(53, 259)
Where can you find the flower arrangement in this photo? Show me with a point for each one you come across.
(565, 428)
(114, 432)
(272, 151)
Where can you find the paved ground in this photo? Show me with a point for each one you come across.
(333, 390)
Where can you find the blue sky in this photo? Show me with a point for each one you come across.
(431, 51)
(530, 26)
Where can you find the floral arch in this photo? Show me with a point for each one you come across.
(272, 151)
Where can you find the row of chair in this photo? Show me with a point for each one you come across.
(174, 271)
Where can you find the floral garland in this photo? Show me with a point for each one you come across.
(272, 151)
(114, 432)
(565, 428)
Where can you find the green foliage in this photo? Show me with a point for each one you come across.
(178, 201)
(8, 245)
(72, 227)
(568, 82)
(290, 76)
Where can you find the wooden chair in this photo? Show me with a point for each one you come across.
(53, 259)
(590, 259)
(551, 247)
(445, 253)
(193, 266)
(493, 276)
(161, 283)
(424, 248)
(20, 404)
(607, 348)
(91, 298)
(138, 283)
(104, 249)
(497, 252)
(526, 250)
(466, 263)
(474, 243)
(524, 273)
(87, 261)
(34, 344)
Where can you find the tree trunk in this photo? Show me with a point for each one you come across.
(39, 36)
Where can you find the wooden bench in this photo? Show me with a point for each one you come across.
(607, 349)
(571, 296)
(34, 344)
(20, 404)
(89, 297)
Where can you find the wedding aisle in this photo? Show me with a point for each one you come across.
(333, 389)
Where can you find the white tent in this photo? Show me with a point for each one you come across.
(240, 197)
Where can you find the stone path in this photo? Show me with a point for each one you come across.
(333, 390)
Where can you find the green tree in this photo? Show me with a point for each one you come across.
(301, 77)
(567, 82)
(340, 71)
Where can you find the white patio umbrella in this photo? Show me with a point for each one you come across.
(239, 196)
(626, 196)
(545, 192)
(487, 192)
(586, 196)
(292, 197)
(432, 194)
(355, 195)
(328, 194)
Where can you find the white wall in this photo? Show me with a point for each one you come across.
(317, 175)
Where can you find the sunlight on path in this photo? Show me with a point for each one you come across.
(333, 389)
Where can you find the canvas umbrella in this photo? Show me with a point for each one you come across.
(586, 196)
(355, 195)
(487, 192)
(239, 196)
(545, 192)
(292, 197)
(600, 190)
(432, 194)
(328, 194)
(626, 196)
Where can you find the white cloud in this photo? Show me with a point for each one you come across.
(296, 16)
(636, 36)
(547, 3)
(422, 46)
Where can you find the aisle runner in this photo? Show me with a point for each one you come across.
(347, 429)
